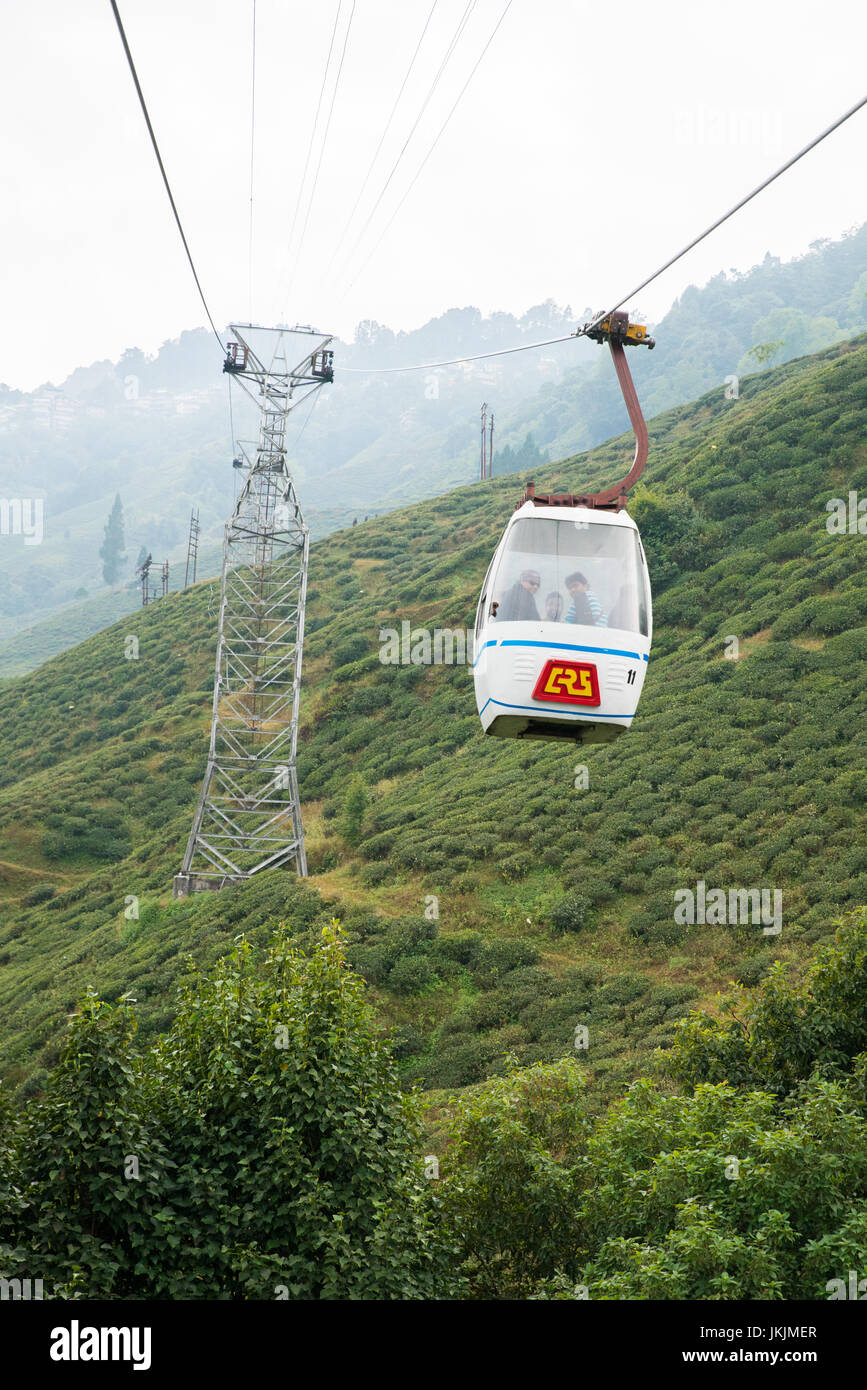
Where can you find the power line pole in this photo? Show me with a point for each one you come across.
(144, 570)
(483, 472)
(164, 575)
(491, 449)
(192, 548)
(248, 817)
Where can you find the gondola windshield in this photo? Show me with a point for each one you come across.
(570, 572)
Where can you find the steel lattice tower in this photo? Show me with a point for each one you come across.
(248, 817)
(193, 547)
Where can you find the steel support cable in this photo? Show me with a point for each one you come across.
(252, 148)
(743, 202)
(580, 332)
(462, 23)
(440, 133)
(456, 361)
(232, 432)
(129, 59)
(321, 151)
(300, 434)
(312, 137)
(382, 139)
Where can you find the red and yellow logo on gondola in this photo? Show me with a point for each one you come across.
(568, 683)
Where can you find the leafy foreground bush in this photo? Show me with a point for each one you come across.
(276, 1157)
(260, 1149)
(753, 1185)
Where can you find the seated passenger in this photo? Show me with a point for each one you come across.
(553, 607)
(519, 602)
(586, 607)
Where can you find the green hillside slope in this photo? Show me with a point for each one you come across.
(555, 902)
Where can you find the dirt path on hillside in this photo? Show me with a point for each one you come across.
(26, 869)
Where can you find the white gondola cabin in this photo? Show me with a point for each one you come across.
(563, 627)
(564, 622)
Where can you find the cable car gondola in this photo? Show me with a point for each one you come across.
(564, 621)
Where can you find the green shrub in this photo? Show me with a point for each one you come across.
(570, 913)
(375, 874)
(463, 947)
(498, 957)
(351, 650)
(410, 975)
(40, 894)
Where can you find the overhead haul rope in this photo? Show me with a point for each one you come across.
(315, 121)
(252, 148)
(499, 352)
(455, 40)
(312, 139)
(388, 124)
(439, 135)
(129, 59)
(300, 434)
(321, 153)
(580, 332)
(743, 202)
(455, 361)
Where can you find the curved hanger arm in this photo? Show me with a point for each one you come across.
(617, 494)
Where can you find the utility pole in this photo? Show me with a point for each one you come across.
(248, 817)
(192, 548)
(164, 575)
(483, 472)
(144, 570)
(487, 463)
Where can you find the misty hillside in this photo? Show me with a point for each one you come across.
(737, 322)
(156, 431)
(555, 903)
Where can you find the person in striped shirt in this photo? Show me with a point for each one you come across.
(585, 608)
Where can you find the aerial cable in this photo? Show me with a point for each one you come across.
(456, 361)
(300, 434)
(321, 151)
(432, 148)
(231, 416)
(129, 59)
(312, 139)
(580, 332)
(743, 202)
(382, 138)
(462, 23)
(252, 147)
(234, 444)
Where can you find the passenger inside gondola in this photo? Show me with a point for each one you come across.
(586, 608)
(553, 607)
(590, 576)
(519, 604)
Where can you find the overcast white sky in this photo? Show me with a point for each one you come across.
(593, 141)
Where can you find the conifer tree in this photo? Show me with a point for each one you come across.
(111, 552)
